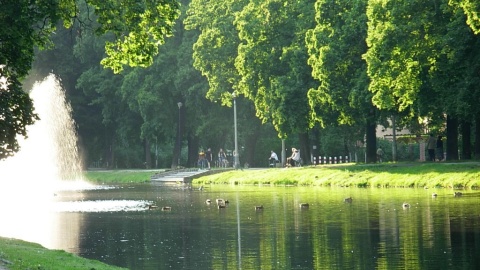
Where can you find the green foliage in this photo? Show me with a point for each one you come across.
(271, 62)
(335, 47)
(472, 10)
(16, 113)
(395, 51)
(215, 48)
(139, 28)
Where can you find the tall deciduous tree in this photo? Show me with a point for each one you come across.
(272, 60)
(215, 50)
(336, 46)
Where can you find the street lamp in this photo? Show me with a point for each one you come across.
(179, 133)
(236, 162)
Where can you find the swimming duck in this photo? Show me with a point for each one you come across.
(434, 195)
(304, 205)
(348, 200)
(151, 207)
(405, 205)
(166, 208)
(457, 194)
(259, 207)
(208, 201)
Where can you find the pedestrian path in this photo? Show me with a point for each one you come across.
(183, 175)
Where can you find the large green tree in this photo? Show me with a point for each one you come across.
(137, 28)
(335, 48)
(272, 62)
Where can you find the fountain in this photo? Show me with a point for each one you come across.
(30, 180)
(34, 181)
(50, 154)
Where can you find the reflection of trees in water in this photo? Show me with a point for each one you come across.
(372, 232)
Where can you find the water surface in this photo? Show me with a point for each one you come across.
(373, 232)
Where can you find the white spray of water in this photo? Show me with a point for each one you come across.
(30, 179)
(49, 155)
(47, 163)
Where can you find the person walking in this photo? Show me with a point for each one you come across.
(380, 154)
(222, 158)
(209, 157)
(431, 144)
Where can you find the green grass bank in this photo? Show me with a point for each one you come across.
(446, 175)
(119, 176)
(21, 255)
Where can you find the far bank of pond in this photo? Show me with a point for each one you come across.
(446, 175)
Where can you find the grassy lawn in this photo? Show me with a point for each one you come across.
(448, 175)
(21, 255)
(119, 176)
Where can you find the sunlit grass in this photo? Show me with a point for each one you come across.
(448, 175)
(17, 254)
(459, 175)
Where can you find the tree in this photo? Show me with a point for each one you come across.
(138, 27)
(272, 65)
(335, 48)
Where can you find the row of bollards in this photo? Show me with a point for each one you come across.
(330, 160)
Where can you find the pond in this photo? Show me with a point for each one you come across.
(373, 231)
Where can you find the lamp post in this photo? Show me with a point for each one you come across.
(236, 162)
(179, 133)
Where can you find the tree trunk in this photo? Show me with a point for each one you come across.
(148, 156)
(109, 157)
(466, 141)
(394, 137)
(178, 145)
(305, 152)
(316, 143)
(477, 137)
(248, 155)
(193, 149)
(452, 138)
(371, 140)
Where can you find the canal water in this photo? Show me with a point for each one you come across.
(373, 231)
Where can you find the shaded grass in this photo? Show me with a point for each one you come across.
(17, 254)
(119, 176)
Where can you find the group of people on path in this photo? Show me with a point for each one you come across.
(205, 159)
(292, 161)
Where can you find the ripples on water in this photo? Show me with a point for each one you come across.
(372, 232)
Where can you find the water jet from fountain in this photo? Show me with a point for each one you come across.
(49, 158)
